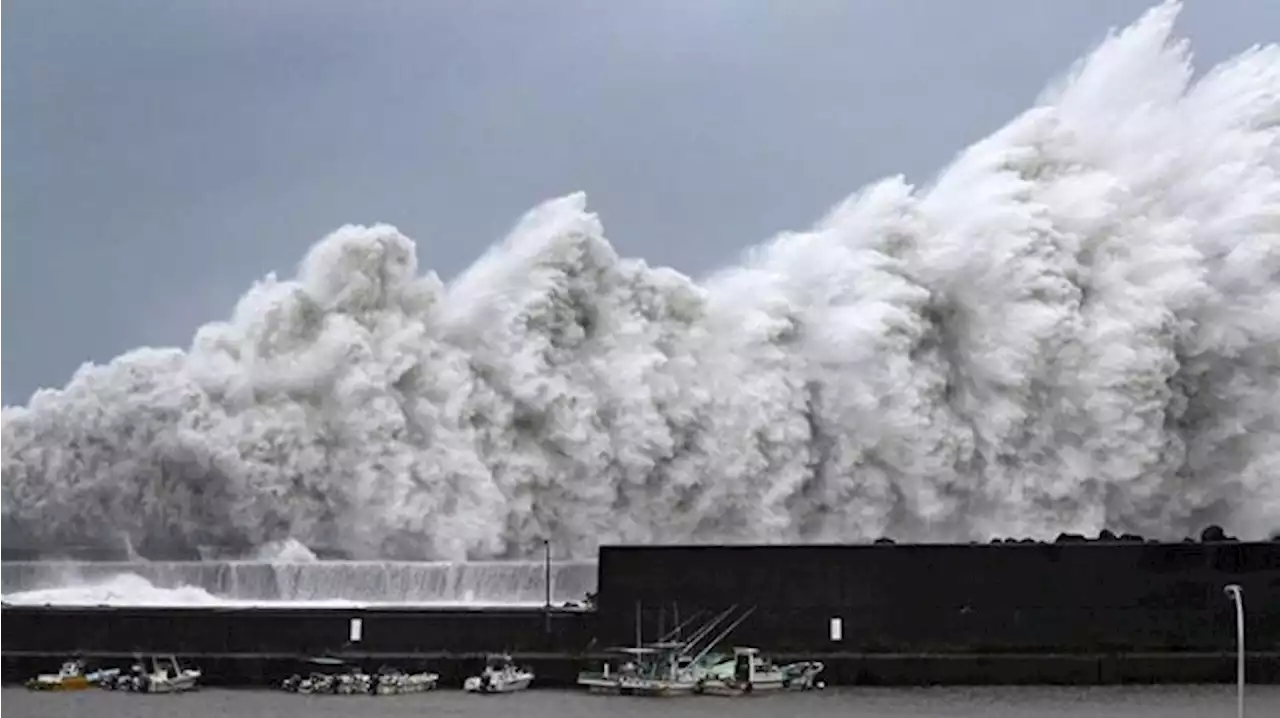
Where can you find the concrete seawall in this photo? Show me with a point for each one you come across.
(1063, 598)
(1065, 613)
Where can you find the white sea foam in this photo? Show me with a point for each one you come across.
(294, 583)
(122, 589)
(1076, 326)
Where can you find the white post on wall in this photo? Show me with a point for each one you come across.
(356, 630)
(1236, 594)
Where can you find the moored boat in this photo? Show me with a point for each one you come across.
(747, 671)
(71, 676)
(156, 674)
(333, 676)
(803, 675)
(667, 667)
(500, 675)
(653, 670)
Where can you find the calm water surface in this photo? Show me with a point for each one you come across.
(1117, 702)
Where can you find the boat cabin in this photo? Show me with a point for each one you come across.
(639, 662)
(165, 666)
(654, 661)
(747, 662)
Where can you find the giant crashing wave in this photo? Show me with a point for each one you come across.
(1076, 326)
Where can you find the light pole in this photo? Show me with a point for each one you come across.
(546, 580)
(1236, 594)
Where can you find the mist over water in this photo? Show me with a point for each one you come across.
(1076, 326)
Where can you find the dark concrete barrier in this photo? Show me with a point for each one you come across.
(1068, 597)
(1003, 613)
(946, 631)
(266, 632)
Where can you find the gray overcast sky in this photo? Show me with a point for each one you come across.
(163, 155)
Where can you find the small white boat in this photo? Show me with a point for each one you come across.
(803, 675)
(163, 675)
(72, 676)
(500, 675)
(748, 672)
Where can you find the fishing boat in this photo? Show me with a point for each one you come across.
(747, 671)
(71, 676)
(500, 675)
(664, 668)
(157, 674)
(646, 671)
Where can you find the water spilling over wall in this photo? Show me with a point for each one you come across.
(203, 582)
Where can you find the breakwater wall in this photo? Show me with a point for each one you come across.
(256, 646)
(1065, 613)
(293, 631)
(1023, 598)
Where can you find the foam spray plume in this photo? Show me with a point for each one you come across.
(1076, 326)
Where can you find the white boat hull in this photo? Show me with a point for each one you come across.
(637, 686)
(722, 681)
(731, 688)
(73, 677)
(181, 684)
(155, 684)
(498, 684)
(172, 686)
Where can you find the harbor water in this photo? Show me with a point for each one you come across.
(981, 702)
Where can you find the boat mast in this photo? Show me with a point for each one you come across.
(703, 654)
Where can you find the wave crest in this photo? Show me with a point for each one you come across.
(1074, 327)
